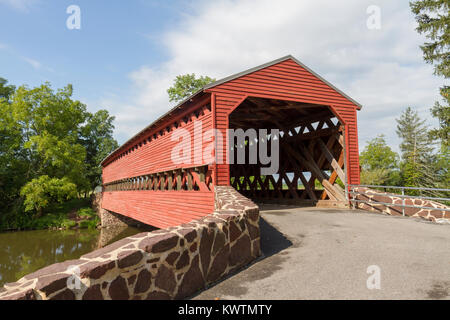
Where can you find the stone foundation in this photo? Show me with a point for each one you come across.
(173, 263)
(375, 196)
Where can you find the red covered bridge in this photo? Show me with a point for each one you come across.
(318, 147)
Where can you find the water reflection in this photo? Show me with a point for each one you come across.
(24, 252)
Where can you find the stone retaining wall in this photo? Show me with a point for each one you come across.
(375, 196)
(173, 263)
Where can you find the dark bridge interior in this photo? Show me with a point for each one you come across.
(312, 153)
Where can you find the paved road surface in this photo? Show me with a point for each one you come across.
(324, 254)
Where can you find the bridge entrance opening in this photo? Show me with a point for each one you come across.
(312, 155)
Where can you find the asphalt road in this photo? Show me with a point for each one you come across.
(325, 253)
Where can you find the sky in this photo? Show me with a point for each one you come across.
(126, 54)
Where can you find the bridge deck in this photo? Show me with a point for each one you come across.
(315, 253)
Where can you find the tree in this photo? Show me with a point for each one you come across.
(433, 17)
(378, 155)
(379, 163)
(6, 90)
(434, 21)
(417, 165)
(442, 113)
(50, 147)
(186, 85)
(42, 191)
(97, 138)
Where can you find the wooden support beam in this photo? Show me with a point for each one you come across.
(307, 120)
(334, 175)
(311, 193)
(201, 185)
(331, 159)
(308, 161)
(313, 135)
(189, 181)
(292, 190)
(179, 180)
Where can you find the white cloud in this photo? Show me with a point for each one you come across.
(21, 5)
(34, 63)
(382, 69)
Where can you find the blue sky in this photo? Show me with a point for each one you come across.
(114, 38)
(127, 52)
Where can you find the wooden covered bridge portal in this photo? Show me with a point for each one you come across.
(318, 147)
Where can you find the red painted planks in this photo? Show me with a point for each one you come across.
(286, 80)
(160, 208)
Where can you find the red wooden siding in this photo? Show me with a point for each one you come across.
(286, 80)
(161, 209)
(158, 208)
(155, 156)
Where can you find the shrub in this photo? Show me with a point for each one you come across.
(86, 212)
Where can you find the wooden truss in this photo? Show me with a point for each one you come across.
(311, 150)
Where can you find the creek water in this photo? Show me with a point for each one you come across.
(23, 252)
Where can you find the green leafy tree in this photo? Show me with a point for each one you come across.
(48, 141)
(186, 85)
(42, 191)
(49, 123)
(418, 161)
(6, 90)
(379, 163)
(97, 138)
(13, 159)
(378, 155)
(376, 177)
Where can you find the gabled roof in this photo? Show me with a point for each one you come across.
(271, 63)
(221, 81)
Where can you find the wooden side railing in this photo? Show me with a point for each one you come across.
(198, 178)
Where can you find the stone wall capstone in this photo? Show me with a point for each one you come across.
(395, 209)
(173, 263)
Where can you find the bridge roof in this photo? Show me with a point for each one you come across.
(183, 103)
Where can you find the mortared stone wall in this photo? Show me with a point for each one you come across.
(173, 263)
(375, 197)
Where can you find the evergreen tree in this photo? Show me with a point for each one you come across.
(442, 113)
(433, 18)
(418, 162)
